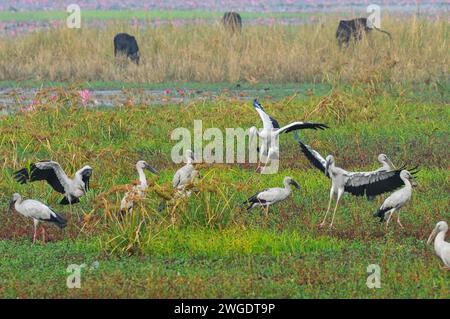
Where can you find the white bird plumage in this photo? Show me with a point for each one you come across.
(37, 211)
(397, 199)
(356, 183)
(441, 247)
(271, 196)
(270, 133)
(186, 174)
(138, 191)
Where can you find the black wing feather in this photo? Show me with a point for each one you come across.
(85, 176)
(253, 200)
(58, 220)
(388, 182)
(23, 176)
(307, 125)
(310, 156)
(65, 201)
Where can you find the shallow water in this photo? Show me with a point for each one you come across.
(13, 99)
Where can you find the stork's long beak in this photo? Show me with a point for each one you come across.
(151, 169)
(11, 205)
(390, 163)
(432, 235)
(327, 167)
(297, 185)
(413, 182)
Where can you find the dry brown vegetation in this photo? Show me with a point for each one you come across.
(207, 53)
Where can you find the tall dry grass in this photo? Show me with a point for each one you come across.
(207, 53)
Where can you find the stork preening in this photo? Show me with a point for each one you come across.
(185, 175)
(38, 212)
(397, 199)
(356, 183)
(386, 163)
(270, 133)
(271, 196)
(50, 171)
(138, 191)
(441, 247)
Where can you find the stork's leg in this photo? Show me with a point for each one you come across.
(328, 209)
(398, 220)
(340, 192)
(43, 233)
(267, 210)
(36, 222)
(391, 212)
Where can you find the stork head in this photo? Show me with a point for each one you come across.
(329, 161)
(290, 181)
(86, 170)
(441, 226)
(16, 197)
(407, 175)
(382, 158)
(145, 165)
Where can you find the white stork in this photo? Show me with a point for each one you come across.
(186, 174)
(441, 247)
(37, 211)
(138, 191)
(386, 163)
(271, 196)
(271, 131)
(50, 171)
(397, 199)
(356, 183)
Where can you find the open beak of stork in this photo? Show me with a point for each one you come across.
(11, 205)
(390, 163)
(296, 185)
(413, 181)
(151, 169)
(432, 235)
(327, 167)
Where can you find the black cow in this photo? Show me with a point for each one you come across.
(354, 29)
(126, 44)
(232, 21)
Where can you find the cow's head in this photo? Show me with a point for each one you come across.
(135, 57)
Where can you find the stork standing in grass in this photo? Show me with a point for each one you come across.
(185, 175)
(270, 133)
(38, 212)
(441, 247)
(271, 196)
(50, 171)
(397, 200)
(356, 183)
(138, 191)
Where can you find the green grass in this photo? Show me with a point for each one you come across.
(90, 15)
(308, 271)
(216, 249)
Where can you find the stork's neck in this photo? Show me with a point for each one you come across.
(332, 167)
(17, 203)
(287, 186)
(142, 178)
(386, 166)
(407, 182)
(440, 237)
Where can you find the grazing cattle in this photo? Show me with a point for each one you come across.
(232, 21)
(355, 29)
(126, 44)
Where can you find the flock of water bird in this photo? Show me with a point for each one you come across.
(385, 179)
